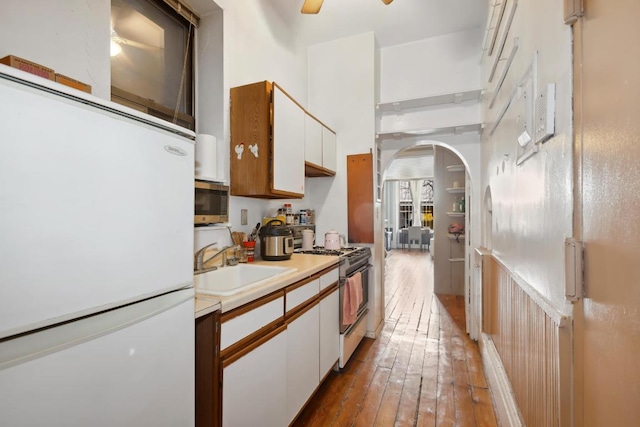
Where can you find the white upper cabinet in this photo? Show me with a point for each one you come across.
(313, 131)
(288, 143)
(320, 148)
(329, 150)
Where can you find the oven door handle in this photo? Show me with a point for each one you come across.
(362, 269)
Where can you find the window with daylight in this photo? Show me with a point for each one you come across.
(405, 213)
(151, 58)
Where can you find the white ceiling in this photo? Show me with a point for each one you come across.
(402, 21)
(410, 168)
(409, 164)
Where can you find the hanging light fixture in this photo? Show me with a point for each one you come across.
(311, 6)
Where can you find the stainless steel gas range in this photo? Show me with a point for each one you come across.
(353, 260)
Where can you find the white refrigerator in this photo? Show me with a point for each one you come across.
(96, 267)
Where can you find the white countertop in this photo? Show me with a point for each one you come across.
(306, 266)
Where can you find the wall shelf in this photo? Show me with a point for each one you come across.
(430, 101)
(430, 132)
(456, 214)
(455, 168)
(455, 190)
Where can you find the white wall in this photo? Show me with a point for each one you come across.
(341, 94)
(532, 203)
(72, 37)
(437, 65)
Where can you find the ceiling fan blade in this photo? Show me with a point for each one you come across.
(311, 6)
(387, 1)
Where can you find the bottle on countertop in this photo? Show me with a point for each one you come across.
(289, 213)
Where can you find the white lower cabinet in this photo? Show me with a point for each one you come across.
(303, 353)
(255, 389)
(329, 332)
(276, 350)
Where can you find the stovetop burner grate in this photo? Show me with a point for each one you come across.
(319, 250)
(349, 252)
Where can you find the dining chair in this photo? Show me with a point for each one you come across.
(415, 235)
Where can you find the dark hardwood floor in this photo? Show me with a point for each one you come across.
(422, 370)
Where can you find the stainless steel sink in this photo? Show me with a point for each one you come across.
(232, 280)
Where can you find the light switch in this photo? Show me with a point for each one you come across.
(244, 217)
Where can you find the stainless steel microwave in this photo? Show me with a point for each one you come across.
(211, 203)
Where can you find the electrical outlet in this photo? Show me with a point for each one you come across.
(244, 217)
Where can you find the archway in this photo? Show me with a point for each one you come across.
(461, 180)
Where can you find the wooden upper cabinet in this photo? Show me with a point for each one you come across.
(267, 142)
(360, 198)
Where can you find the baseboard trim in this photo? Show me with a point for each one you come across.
(374, 334)
(504, 400)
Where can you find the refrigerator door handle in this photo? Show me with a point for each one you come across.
(25, 347)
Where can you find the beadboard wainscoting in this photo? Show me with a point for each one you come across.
(526, 348)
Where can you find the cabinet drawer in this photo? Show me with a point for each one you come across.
(298, 294)
(243, 325)
(328, 279)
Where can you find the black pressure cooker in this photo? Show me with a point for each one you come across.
(276, 241)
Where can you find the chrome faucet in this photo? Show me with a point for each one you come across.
(199, 257)
(200, 261)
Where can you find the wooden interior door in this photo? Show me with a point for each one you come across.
(360, 198)
(607, 319)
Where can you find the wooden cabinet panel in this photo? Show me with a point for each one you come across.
(250, 125)
(360, 198)
(207, 370)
